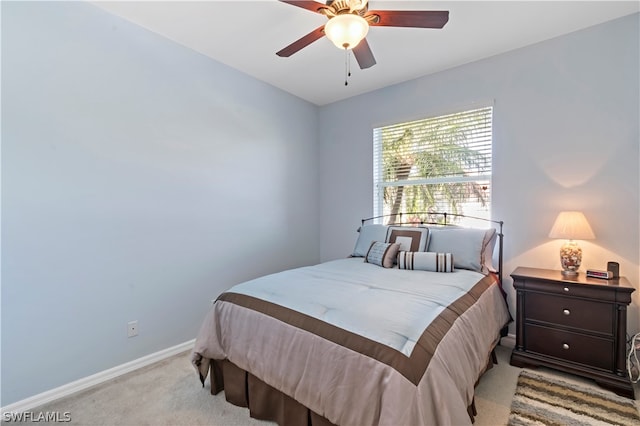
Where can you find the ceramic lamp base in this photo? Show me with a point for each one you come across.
(570, 258)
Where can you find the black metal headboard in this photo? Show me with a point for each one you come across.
(441, 219)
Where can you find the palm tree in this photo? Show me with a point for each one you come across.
(432, 149)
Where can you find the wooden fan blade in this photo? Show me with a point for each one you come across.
(302, 42)
(311, 5)
(364, 55)
(409, 18)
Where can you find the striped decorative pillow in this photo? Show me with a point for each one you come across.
(382, 254)
(425, 261)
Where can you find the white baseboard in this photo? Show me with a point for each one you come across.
(98, 378)
(95, 379)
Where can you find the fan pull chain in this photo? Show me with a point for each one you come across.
(347, 66)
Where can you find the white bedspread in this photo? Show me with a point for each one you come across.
(355, 296)
(320, 358)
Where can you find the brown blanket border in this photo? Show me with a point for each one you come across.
(412, 367)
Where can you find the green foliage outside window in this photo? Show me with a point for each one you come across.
(440, 164)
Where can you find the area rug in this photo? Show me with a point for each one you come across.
(540, 400)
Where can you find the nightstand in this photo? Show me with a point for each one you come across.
(573, 324)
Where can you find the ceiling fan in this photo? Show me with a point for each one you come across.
(349, 22)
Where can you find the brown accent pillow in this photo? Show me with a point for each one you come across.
(410, 239)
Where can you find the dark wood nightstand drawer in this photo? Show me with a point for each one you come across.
(588, 350)
(572, 290)
(569, 312)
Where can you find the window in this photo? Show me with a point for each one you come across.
(438, 164)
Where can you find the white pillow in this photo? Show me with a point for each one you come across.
(425, 261)
(367, 235)
(471, 248)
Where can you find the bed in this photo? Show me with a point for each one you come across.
(398, 333)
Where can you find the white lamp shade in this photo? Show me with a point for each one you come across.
(571, 225)
(346, 30)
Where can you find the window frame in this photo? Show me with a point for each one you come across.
(379, 184)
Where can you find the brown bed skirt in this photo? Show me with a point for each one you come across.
(264, 402)
(243, 389)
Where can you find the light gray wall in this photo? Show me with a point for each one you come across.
(565, 137)
(139, 180)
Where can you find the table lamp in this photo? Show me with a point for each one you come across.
(570, 226)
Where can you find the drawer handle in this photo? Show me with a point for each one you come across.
(566, 289)
(566, 312)
(565, 346)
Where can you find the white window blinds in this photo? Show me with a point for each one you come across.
(438, 164)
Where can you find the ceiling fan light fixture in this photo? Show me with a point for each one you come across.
(346, 30)
(355, 5)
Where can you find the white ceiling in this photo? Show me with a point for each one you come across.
(246, 34)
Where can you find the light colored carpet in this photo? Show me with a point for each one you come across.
(169, 393)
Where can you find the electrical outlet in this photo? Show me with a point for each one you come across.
(132, 328)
